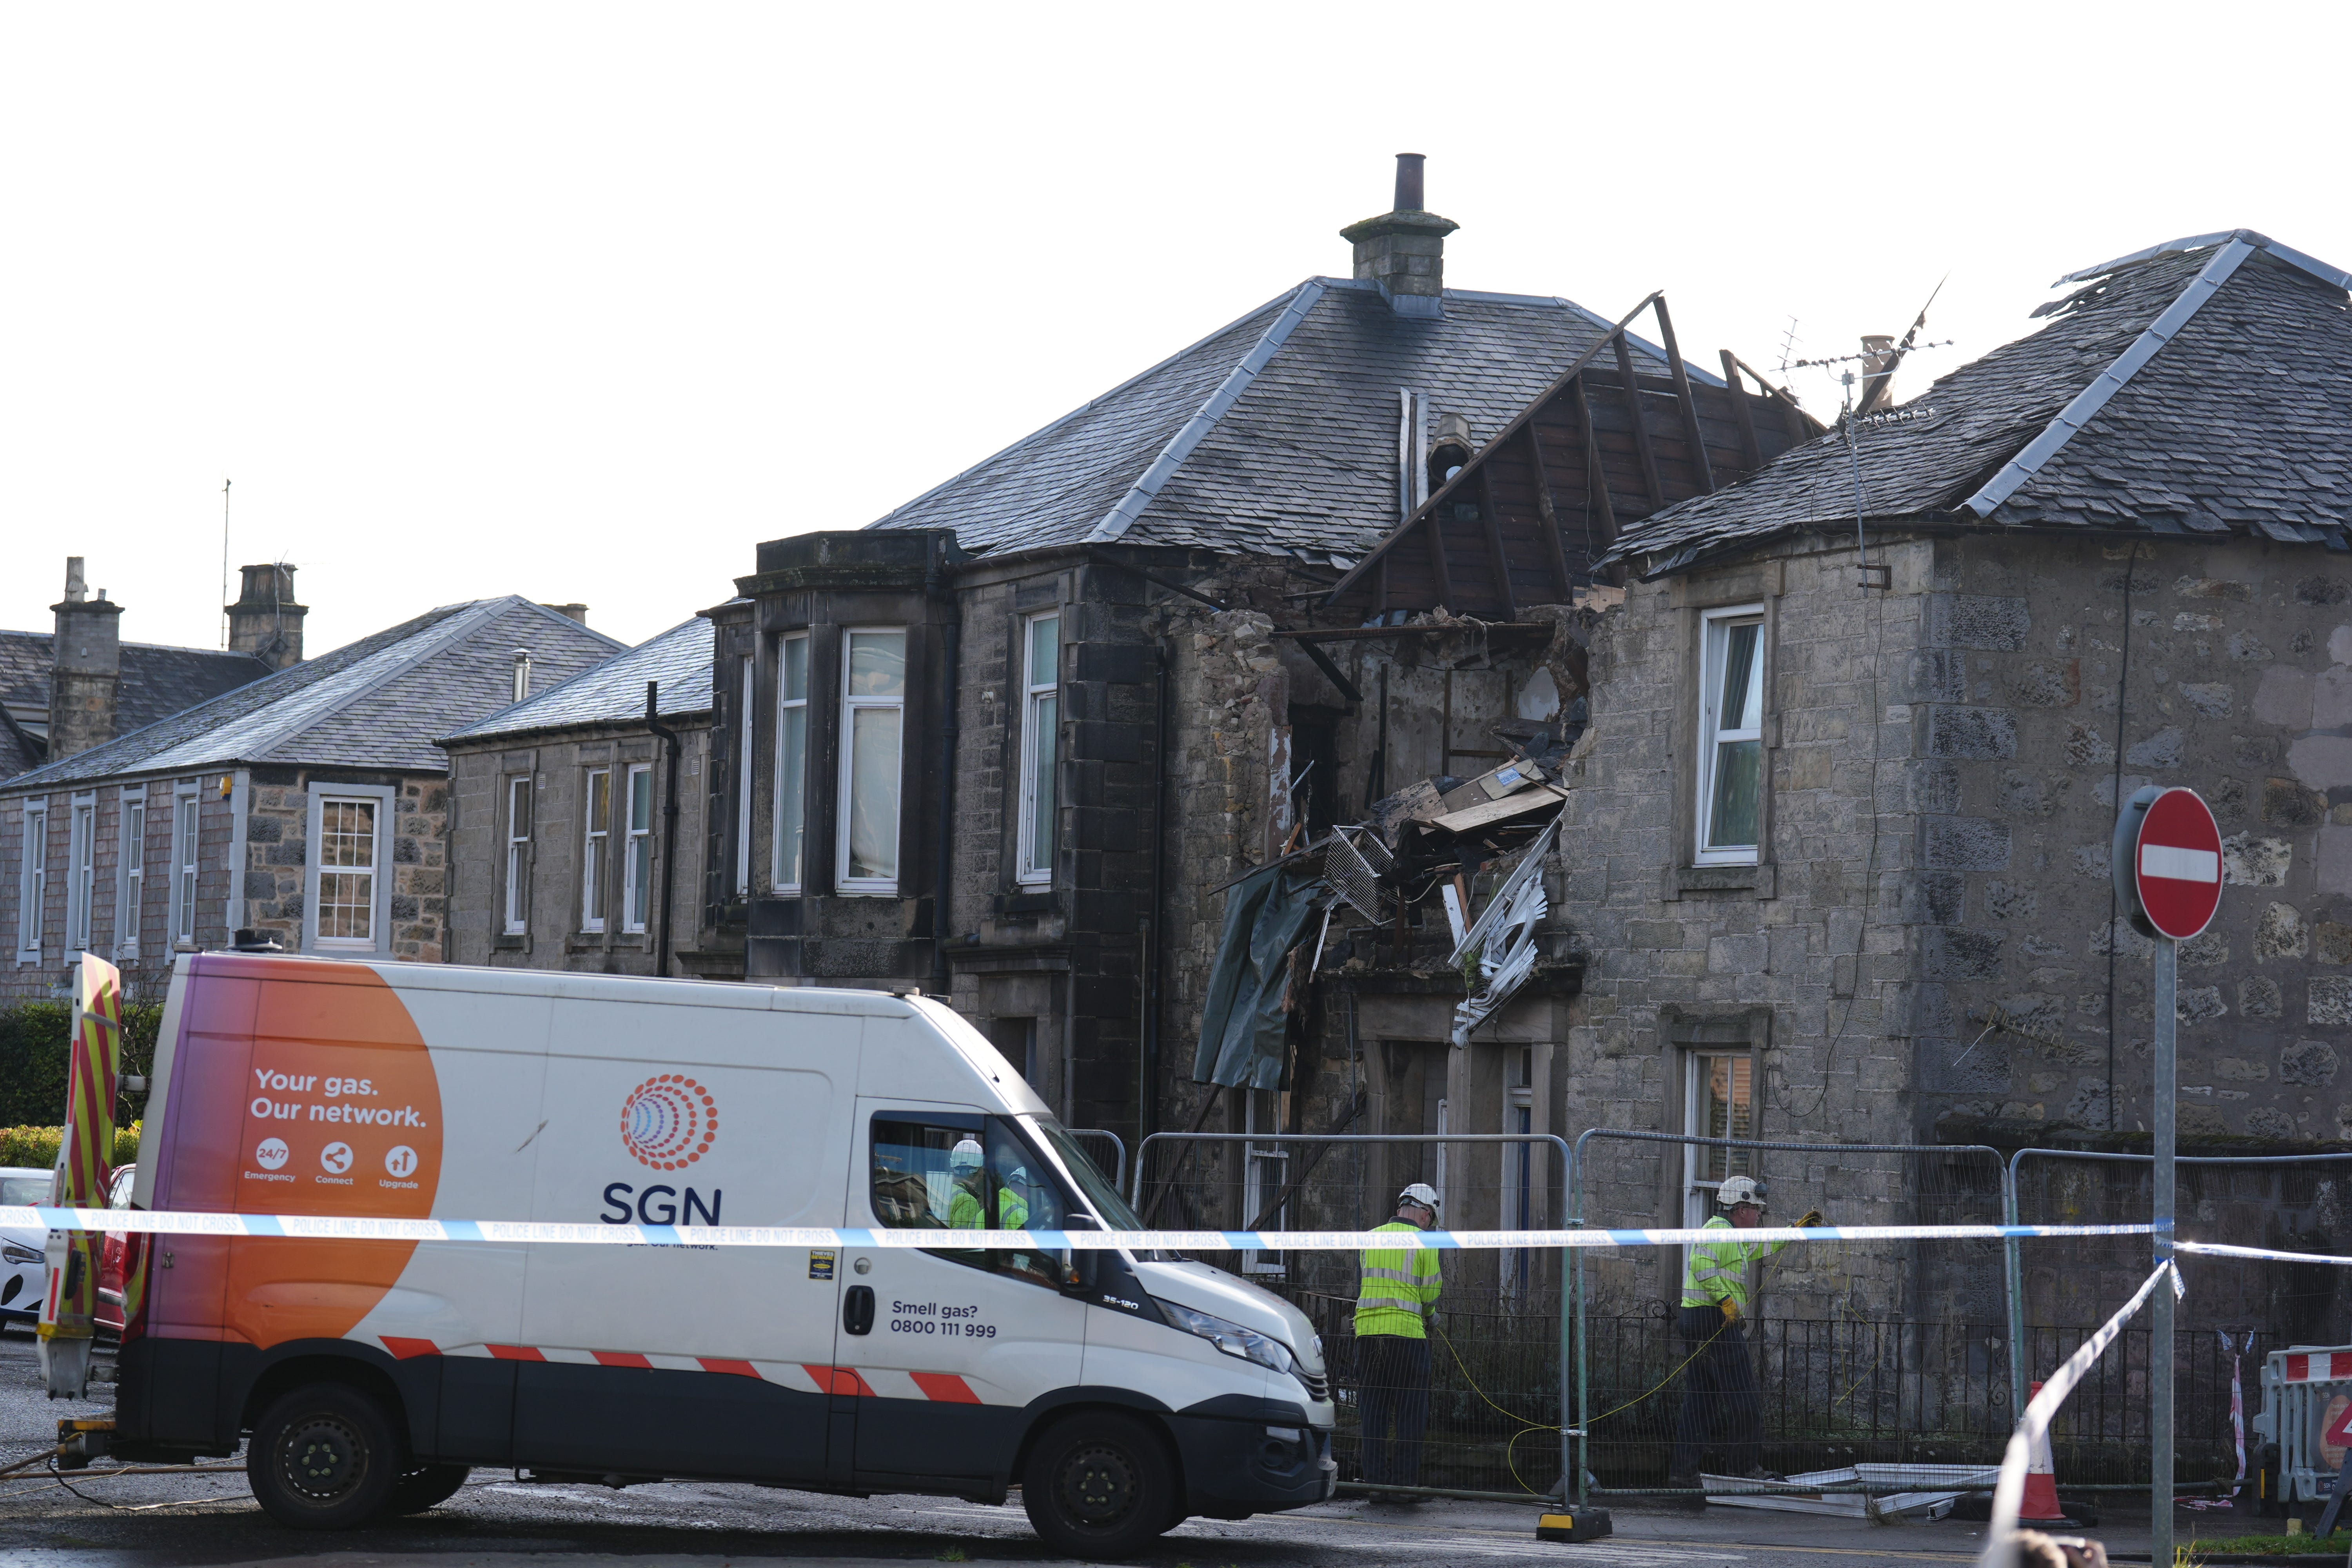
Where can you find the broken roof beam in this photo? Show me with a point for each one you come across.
(1642, 448)
(1800, 425)
(1494, 521)
(1548, 515)
(1749, 445)
(1596, 476)
(1685, 402)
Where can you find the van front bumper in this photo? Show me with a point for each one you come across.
(1235, 1468)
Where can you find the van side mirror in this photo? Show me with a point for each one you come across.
(1078, 1268)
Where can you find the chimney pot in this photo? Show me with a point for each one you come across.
(570, 612)
(76, 590)
(1408, 182)
(1404, 251)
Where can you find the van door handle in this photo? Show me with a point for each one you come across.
(858, 1310)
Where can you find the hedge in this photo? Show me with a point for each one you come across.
(38, 1146)
(34, 1039)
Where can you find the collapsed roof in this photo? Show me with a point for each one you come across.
(2198, 387)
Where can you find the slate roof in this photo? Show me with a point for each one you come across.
(2200, 386)
(1277, 434)
(375, 703)
(615, 690)
(157, 682)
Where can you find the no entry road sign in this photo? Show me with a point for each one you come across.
(2167, 862)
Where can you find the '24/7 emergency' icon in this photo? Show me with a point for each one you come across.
(668, 1121)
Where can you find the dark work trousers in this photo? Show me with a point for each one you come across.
(1393, 1392)
(1718, 1395)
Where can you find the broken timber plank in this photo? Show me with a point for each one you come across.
(1596, 476)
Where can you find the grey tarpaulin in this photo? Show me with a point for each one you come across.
(1242, 1020)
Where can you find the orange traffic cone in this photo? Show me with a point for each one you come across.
(2041, 1504)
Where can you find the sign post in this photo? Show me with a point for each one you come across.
(2167, 860)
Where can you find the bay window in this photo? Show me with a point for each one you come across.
(517, 858)
(81, 873)
(637, 853)
(594, 849)
(33, 888)
(183, 867)
(130, 874)
(348, 869)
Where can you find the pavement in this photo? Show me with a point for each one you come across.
(180, 1521)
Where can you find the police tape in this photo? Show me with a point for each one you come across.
(331, 1227)
(2221, 1249)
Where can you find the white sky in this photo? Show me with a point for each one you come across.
(581, 301)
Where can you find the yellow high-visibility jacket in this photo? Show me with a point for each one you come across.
(1718, 1270)
(1398, 1290)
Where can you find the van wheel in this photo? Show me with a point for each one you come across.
(426, 1486)
(324, 1456)
(1100, 1485)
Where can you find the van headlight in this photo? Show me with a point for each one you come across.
(1233, 1339)
(12, 1253)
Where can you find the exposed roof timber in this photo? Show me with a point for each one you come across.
(2087, 403)
(1445, 491)
(1180, 446)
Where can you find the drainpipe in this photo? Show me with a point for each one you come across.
(1156, 932)
(935, 586)
(669, 817)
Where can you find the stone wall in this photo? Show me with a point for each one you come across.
(557, 762)
(277, 857)
(1943, 759)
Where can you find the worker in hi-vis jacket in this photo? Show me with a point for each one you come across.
(1393, 1301)
(1719, 1376)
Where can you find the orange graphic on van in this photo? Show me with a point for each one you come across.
(668, 1121)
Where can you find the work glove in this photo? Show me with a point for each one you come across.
(1812, 1218)
(1730, 1313)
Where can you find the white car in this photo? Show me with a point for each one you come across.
(22, 1270)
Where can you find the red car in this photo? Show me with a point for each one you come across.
(110, 1267)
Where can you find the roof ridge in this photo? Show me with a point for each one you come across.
(1103, 397)
(1122, 516)
(2086, 404)
(2322, 270)
(577, 676)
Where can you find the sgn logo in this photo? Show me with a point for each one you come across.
(668, 1123)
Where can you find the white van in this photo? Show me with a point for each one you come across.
(1122, 1391)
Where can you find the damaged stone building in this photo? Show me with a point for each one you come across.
(1835, 844)
(1012, 741)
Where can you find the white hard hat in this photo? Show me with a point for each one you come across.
(1739, 1190)
(965, 1156)
(1419, 1193)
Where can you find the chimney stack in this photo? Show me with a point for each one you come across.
(1404, 251)
(570, 612)
(265, 621)
(1878, 361)
(85, 668)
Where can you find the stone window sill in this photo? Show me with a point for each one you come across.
(1682, 881)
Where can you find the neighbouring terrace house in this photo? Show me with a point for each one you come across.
(1011, 741)
(576, 828)
(307, 806)
(1836, 843)
(70, 688)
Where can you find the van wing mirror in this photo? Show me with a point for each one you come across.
(1078, 1267)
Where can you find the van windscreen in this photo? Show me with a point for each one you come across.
(1101, 1194)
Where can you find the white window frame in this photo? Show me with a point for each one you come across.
(792, 778)
(637, 845)
(33, 882)
(1040, 705)
(379, 937)
(81, 872)
(1265, 1169)
(130, 872)
(187, 845)
(1715, 641)
(596, 850)
(743, 784)
(515, 907)
(1699, 1188)
(871, 887)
